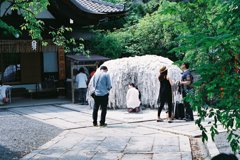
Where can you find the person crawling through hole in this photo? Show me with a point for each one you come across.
(133, 99)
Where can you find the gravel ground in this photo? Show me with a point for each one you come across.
(199, 150)
(20, 135)
(223, 145)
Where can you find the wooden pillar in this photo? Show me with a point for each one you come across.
(61, 64)
(72, 81)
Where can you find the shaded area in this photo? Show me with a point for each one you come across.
(21, 135)
(7, 154)
(223, 145)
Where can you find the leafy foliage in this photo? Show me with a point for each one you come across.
(139, 10)
(29, 10)
(70, 44)
(8, 28)
(209, 38)
(147, 35)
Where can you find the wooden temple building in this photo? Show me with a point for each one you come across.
(28, 66)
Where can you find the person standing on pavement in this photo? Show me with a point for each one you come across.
(102, 85)
(92, 72)
(165, 94)
(186, 81)
(81, 80)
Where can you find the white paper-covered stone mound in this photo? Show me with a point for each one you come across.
(143, 71)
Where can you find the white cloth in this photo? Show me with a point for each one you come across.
(81, 80)
(133, 98)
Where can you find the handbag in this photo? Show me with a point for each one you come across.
(179, 111)
(93, 95)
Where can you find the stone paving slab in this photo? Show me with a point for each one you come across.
(142, 156)
(107, 155)
(120, 114)
(165, 148)
(72, 145)
(113, 144)
(61, 123)
(165, 140)
(127, 136)
(140, 144)
(62, 118)
(116, 130)
(184, 144)
(4, 114)
(30, 113)
(79, 155)
(167, 156)
(147, 117)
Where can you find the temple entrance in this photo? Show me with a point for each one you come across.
(28, 72)
(74, 63)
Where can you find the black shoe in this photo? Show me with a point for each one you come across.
(188, 120)
(103, 125)
(170, 120)
(159, 120)
(95, 124)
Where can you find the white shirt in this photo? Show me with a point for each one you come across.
(81, 80)
(133, 98)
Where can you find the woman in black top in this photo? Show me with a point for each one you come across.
(165, 94)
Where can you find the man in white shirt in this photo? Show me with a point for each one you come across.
(81, 80)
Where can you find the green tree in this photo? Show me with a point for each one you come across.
(144, 33)
(28, 10)
(209, 38)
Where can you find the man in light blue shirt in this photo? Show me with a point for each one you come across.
(102, 85)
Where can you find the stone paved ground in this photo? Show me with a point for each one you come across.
(127, 136)
(223, 145)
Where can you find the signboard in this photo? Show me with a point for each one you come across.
(61, 63)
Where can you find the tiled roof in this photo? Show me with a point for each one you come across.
(97, 6)
(83, 58)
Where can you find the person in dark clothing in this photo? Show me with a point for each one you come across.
(165, 94)
(102, 85)
(186, 82)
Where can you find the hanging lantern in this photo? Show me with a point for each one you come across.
(34, 45)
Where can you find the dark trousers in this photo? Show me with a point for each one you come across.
(162, 102)
(189, 111)
(103, 102)
(82, 95)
